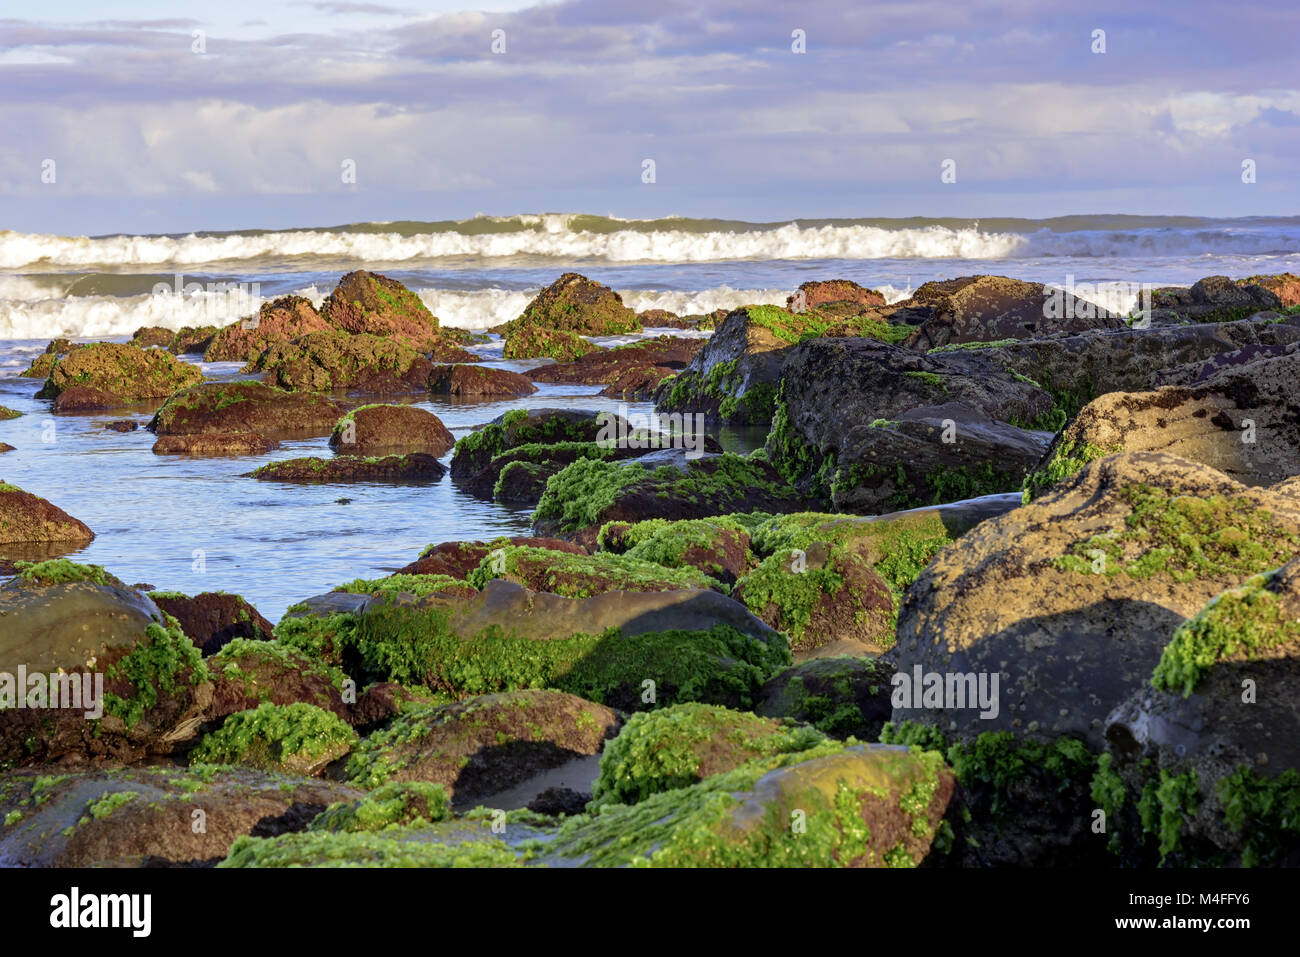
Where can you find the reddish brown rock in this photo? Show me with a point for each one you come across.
(608, 365)
(226, 443)
(279, 321)
(458, 559)
(391, 429)
(366, 302)
(245, 407)
(214, 619)
(814, 295)
(81, 398)
(467, 380)
(25, 517)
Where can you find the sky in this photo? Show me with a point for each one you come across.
(170, 116)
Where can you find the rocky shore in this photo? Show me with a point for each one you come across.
(1011, 581)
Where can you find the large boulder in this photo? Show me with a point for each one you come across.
(1068, 602)
(992, 308)
(1241, 421)
(574, 303)
(628, 650)
(839, 432)
(326, 361)
(98, 636)
(244, 409)
(1215, 736)
(734, 378)
(297, 738)
(484, 745)
(466, 381)
(391, 429)
(278, 321)
(591, 492)
(840, 696)
(867, 805)
(212, 620)
(28, 518)
(1286, 286)
(1077, 369)
(832, 295)
(1212, 299)
(127, 372)
(458, 559)
(368, 303)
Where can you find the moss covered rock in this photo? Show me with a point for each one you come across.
(297, 738)
(681, 745)
(601, 648)
(415, 467)
(326, 361)
(391, 429)
(582, 576)
(370, 304)
(212, 619)
(1215, 737)
(395, 804)
(247, 673)
(465, 380)
(590, 493)
(574, 303)
(83, 623)
(459, 559)
(28, 518)
(244, 408)
(841, 696)
(149, 816)
(836, 806)
(666, 354)
(484, 745)
(128, 372)
(530, 340)
(277, 321)
(1104, 567)
(719, 546)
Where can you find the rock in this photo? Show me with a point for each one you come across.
(147, 336)
(1219, 760)
(574, 303)
(589, 493)
(243, 408)
(43, 364)
(415, 467)
(719, 547)
(213, 619)
(662, 319)
(638, 384)
(1077, 369)
(841, 697)
(1212, 299)
(25, 517)
(930, 455)
(458, 559)
(1286, 286)
(5, 447)
(484, 745)
(820, 596)
(470, 380)
(247, 673)
(325, 361)
(993, 308)
(734, 378)
(694, 645)
(839, 435)
(368, 303)
(277, 321)
(78, 620)
(122, 425)
(7, 413)
(228, 443)
(127, 372)
(192, 340)
(681, 745)
(529, 340)
(389, 429)
(603, 366)
(1069, 601)
(297, 738)
(1241, 421)
(582, 576)
(864, 806)
(559, 802)
(80, 398)
(141, 817)
(815, 295)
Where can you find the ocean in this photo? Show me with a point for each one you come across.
(196, 524)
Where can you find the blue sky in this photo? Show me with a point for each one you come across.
(148, 135)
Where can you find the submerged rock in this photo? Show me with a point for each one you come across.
(25, 517)
(391, 429)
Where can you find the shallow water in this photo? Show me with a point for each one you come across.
(198, 524)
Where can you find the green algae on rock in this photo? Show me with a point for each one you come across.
(297, 738)
(126, 372)
(581, 576)
(678, 746)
